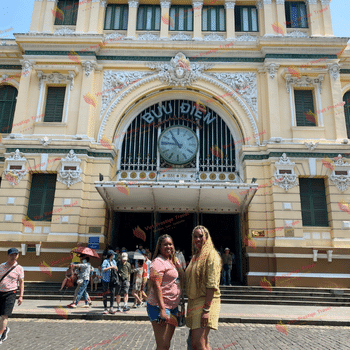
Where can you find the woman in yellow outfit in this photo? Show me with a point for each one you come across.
(202, 288)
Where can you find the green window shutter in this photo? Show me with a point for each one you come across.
(116, 17)
(8, 96)
(66, 12)
(54, 104)
(181, 18)
(213, 19)
(304, 108)
(148, 17)
(313, 202)
(42, 194)
(246, 19)
(346, 99)
(296, 14)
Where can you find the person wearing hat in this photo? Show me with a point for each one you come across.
(11, 277)
(227, 267)
(124, 273)
(107, 265)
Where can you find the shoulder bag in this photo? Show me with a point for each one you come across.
(114, 276)
(7, 272)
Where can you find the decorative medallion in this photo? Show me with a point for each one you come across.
(70, 171)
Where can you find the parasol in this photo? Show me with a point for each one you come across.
(86, 251)
(136, 256)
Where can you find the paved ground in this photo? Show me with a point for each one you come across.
(39, 334)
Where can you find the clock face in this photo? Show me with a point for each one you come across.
(178, 144)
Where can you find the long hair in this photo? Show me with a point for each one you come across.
(202, 255)
(159, 243)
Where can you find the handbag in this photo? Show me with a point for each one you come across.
(181, 314)
(114, 276)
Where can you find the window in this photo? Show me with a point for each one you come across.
(246, 19)
(42, 194)
(346, 99)
(296, 15)
(148, 17)
(313, 202)
(54, 104)
(213, 19)
(116, 17)
(181, 18)
(8, 96)
(66, 12)
(304, 108)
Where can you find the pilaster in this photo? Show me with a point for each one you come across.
(327, 19)
(197, 20)
(49, 17)
(230, 20)
(266, 12)
(132, 19)
(281, 15)
(314, 20)
(164, 24)
(94, 22)
(81, 25)
(38, 10)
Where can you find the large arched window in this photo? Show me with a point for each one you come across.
(197, 134)
(346, 99)
(8, 96)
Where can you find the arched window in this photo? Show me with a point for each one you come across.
(8, 96)
(346, 99)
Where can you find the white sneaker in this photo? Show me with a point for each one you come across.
(119, 309)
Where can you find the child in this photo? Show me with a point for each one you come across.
(136, 292)
(96, 278)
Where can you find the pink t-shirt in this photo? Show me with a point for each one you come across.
(10, 282)
(165, 272)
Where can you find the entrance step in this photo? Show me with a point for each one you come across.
(229, 295)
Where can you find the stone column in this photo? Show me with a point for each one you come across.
(281, 18)
(197, 19)
(230, 20)
(94, 22)
(266, 12)
(88, 101)
(313, 20)
(81, 19)
(164, 23)
(49, 16)
(39, 8)
(132, 19)
(327, 19)
(23, 92)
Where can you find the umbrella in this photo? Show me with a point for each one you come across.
(86, 251)
(136, 256)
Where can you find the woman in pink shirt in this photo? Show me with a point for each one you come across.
(165, 293)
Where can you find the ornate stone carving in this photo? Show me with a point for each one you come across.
(148, 36)
(311, 145)
(165, 4)
(246, 37)
(26, 67)
(310, 2)
(341, 181)
(115, 81)
(303, 81)
(70, 177)
(179, 72)
(103, 3)
(64, 31)
(214, 37)
(89, 66)
(272, 68)
(297, 34)
(325, 2)
(181, 36)
(289, 180)
(114, 37)
(133, 3)
(14, 176)
(230, 5)
(45, 141)
(334, 70)
(280, 2)
(57, 78)
(197, 4)
(244, 84)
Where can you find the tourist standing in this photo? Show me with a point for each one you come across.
(227, 267)
(108, 265)
(124, 269)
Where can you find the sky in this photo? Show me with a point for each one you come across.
(15, 17)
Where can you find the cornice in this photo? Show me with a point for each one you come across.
(290, 155)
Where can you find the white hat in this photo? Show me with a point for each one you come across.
(227, 248)
(125, 256)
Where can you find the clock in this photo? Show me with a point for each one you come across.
(178, 144)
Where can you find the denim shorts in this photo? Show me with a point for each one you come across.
(154, 312)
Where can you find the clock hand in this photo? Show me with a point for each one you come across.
(178, 145)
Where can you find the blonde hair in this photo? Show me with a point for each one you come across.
(202, 255)
(159, 243)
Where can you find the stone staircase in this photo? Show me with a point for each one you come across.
(229, 295)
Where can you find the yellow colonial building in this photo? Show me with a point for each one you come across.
(124, 120)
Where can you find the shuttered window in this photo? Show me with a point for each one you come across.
(66, 12)
(181, 18)
(148, 17)
(346, 99)
(213, 19)
(42, 194)
(54, 104)
(296, 14)
(313, 202)
(116, 17)
(8, 96)
(304, 108)
(246, 19)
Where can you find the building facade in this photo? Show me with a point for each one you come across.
(125, 120)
